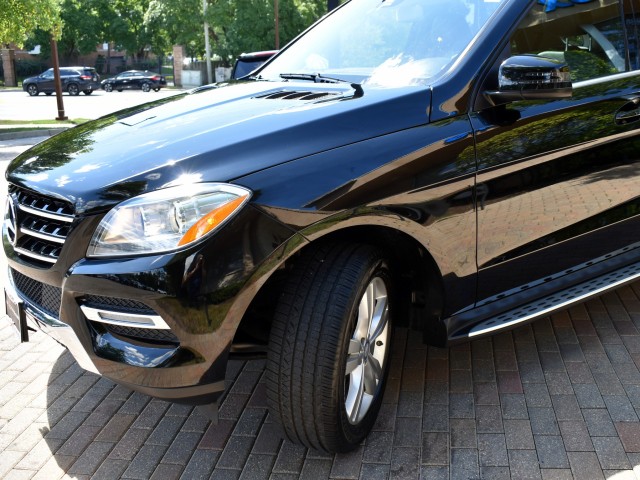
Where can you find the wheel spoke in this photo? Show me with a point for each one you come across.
(365, 312)
(369, 379)
(357, 404)
(354, 346)
(353, 358)
(375, 367)
(380, 319)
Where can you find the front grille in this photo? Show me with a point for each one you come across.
(43, 296)
(42, 225)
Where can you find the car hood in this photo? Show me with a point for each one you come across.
(210, 135)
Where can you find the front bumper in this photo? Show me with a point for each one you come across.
(39, 320)
(196, 313)
(59, 331)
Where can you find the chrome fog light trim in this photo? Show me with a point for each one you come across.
(124, 319)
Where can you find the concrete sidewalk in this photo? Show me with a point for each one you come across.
(557, 399)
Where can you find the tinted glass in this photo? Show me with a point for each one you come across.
(588, 36)
(245, 67)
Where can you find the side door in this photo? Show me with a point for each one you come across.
(46, 81)
(123, 81)
(558, 182)
(67, 76)
(136, 80)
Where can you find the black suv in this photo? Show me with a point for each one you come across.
(460, 167)
(73, 80)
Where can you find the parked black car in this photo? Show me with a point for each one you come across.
(135, 79)
(460, 167)
(248, 62)
(72, 79)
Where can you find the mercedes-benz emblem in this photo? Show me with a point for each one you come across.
(10, 220)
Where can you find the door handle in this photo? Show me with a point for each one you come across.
(629, 112)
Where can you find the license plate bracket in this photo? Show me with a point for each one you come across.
(15, 311)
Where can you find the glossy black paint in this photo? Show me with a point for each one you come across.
(134, 80)
(471, 200)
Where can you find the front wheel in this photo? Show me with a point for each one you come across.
(108, 87)
(73, 89)
(32, 90)
(330, 347)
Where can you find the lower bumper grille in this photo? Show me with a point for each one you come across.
(45, 297)
(143, 334)
(111, 321)
(123, 305)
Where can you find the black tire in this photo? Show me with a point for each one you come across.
(312, 337)
(157, 89)
(48, 93)
(119, 89)
(73, 89)
(108, 87)
(32, 89)
(146, 87)
(87, 92)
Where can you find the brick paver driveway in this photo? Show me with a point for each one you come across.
(559, 398)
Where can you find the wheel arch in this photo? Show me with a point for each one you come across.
(419, 285)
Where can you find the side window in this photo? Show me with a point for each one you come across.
(632, 14)
(588, 36)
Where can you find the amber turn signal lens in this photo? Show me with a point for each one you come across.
(210, 221)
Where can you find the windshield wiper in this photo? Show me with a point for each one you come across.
(313, 77)
(318, 78)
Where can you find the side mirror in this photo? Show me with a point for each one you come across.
(532, 77)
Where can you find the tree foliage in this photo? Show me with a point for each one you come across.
(18, 18)
(141, 26)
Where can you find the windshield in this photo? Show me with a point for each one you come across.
(386, 42)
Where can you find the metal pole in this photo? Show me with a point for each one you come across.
(207, 47)
(56, 79)
(275, 7)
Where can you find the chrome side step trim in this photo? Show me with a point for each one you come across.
(124, 319)
(557, 301)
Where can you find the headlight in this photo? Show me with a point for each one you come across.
(166, 220)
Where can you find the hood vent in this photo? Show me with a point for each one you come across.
(303, 96)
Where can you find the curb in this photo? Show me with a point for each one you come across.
(40, 132)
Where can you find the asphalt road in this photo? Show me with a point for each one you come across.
(18, 105)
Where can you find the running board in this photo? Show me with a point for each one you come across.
(557, 301)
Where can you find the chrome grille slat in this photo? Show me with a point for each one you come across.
(37, 256)
(45, 214)
(42, 236)
(43, 224)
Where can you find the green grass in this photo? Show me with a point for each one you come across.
(73, 121)
(32, 124)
